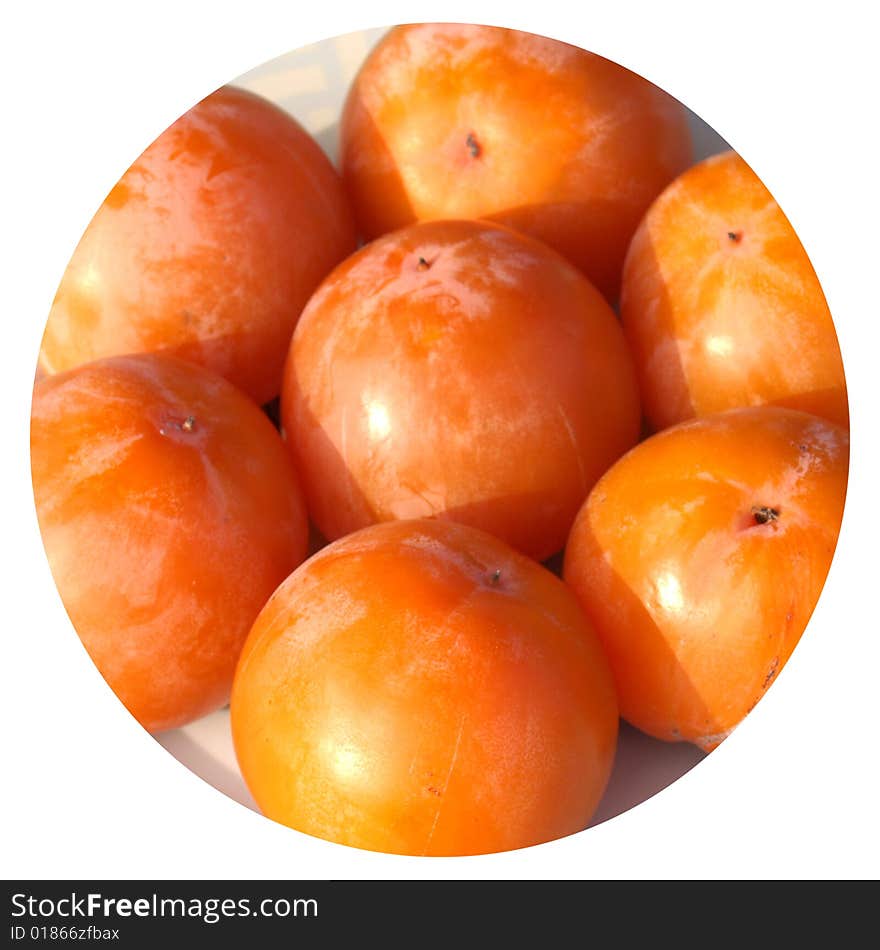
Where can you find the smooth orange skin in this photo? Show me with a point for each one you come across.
(420, 688)
(564, 145)
(164, 543)
(716, 322)
(208, 247)
(699, 605)
(490, 385)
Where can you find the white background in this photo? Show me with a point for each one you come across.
(793, 793)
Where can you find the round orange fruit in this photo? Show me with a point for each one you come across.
(721, 305)
(459, 370)
(207, 248)
(461, 121)
(420, 688)
(699, 558)
(170, 511)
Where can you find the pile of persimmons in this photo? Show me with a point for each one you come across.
(302, 439)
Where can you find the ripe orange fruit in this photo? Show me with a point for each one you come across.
(459, 370)
(420, 688)
(699, 558)
(208, 247)
(721, 305)
(460, 121)
(170, 511)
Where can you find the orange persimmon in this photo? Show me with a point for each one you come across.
(207, 248)
(170, 511)
(721, 305)
(420, 688)
(461, 370)
(462, 121)
(699, 558)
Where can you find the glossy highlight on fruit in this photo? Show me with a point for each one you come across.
(462, 371)
(699, 558)
(721, 305)
(420, 688)
(462, 121)
(207, 248)
(169, 511)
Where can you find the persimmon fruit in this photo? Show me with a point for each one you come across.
(721, 305)
(462, 121)
(420, 688)
(459, 370)
(207, 248)
(699, 557)
(170, 511)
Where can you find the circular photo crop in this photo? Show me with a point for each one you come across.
(439, 439)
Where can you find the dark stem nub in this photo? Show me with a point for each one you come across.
(473, 145)
(495, 577)
(735, 236)
(763, 514)
(188, 424)
(422, 264)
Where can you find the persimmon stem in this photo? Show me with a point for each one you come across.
(764, 514)
(188, 425)
(473, 145)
